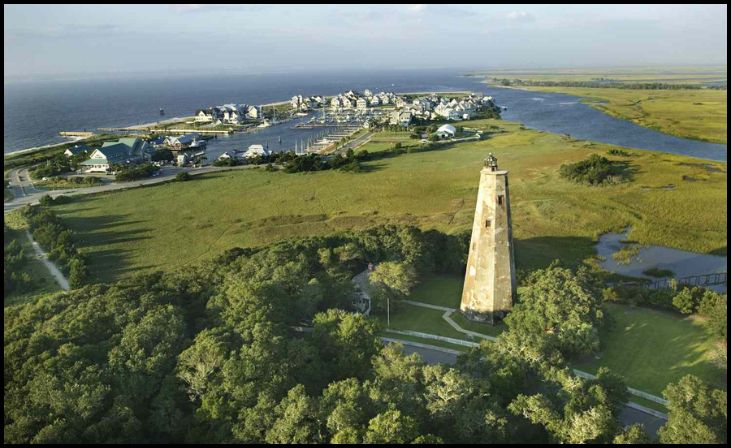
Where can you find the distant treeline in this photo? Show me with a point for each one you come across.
(606, 83)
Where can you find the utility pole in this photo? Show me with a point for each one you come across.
(388, 312)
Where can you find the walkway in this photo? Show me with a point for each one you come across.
(55, 272)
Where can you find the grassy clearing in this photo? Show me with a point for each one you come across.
(653, 348)
(44, 283)
(176, 224)
(441, 290)
(425, 320)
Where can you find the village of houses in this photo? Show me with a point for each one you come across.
(352, 109)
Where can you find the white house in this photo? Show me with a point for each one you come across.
(256, 150)
(446, 131)
(254, 112)
(362, 103)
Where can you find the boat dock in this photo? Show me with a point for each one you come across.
(167, 131)
(83, 134)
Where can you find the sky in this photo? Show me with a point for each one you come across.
(56, 41)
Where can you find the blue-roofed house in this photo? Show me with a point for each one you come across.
(126, 150)
(75, 150)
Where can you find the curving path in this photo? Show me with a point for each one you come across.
(55, 272)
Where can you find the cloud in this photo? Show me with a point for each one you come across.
(417, 8)
(186, 8)
(521, 16)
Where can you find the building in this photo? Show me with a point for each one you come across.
(124, 151)
(446, 131)
(76, 150)
(361, 104)
(254, 112)
(181, 142)
(489, 285)
(256, 150)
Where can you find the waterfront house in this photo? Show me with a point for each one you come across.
(124, 151)
(181, 142)
(254, 112)
(446, 131)
(256, 150)
(75, 150)
(362, 103)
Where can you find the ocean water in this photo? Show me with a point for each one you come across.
(34, 112)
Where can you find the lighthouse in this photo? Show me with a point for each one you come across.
(489, 284)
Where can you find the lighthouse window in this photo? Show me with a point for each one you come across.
(500, 200)
(487, 223)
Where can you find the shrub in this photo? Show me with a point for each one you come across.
(596, 170)
(182, 177)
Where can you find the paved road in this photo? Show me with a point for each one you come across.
(167, 174)
(627, 417)
(355, 143)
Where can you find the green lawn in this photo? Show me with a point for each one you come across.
(654, 348)
(424, 320)
(176, 224)
(44, 283)
(441, 290)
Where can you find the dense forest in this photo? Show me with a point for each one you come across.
(260, 345)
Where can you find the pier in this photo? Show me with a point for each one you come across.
(167, 131)
(81, 134)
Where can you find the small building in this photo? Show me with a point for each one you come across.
(446, 131)
(256, 150)
(76, 150)
(126, 150)
(180, 142)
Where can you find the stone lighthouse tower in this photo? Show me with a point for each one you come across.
(489, 283)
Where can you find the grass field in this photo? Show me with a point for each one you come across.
(176, 224)
(653, 348)
(44, 282)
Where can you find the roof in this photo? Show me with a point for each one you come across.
(95, 162)
(76, 149)
(447, 128)
(116, 152)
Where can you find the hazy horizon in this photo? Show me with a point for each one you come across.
(107, 41)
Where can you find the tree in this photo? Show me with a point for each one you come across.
(632, 435)
(697, 414)
(347, 341)
(391, 427)
(78, 272)
(296, 419)
(558, 315)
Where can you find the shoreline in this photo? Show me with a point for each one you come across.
(596, 106)
(141, 127)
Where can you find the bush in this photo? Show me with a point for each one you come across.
(182, 177)
(596, 170)
(136, 172)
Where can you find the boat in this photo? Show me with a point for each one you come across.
(162, 111)
(301, 114)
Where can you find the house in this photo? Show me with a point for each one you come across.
(361, 104)
(203, 116)
(126, 150)
(231, 155)
(180, 142)
(256, 150)
(76, 150)
(446, 131)
(254, 112)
